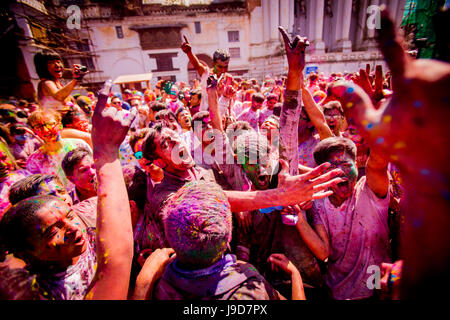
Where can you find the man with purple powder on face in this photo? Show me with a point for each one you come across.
(350, 227)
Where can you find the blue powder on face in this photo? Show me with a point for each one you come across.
(350, 90)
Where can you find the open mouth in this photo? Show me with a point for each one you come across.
(184, 155)
(79, 240)
(262, 179)
(343, 184)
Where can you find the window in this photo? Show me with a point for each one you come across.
(86, 60)
(169, 78)
(233, 36)
(235, 52)
(119, 32)
(164, 61)
(198, 28)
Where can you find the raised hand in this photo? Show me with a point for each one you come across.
(109, 125)
(309, 186)
(363, 80)
(186, 46)
(295, 50)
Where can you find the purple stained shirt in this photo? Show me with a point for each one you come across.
(40, 162)
(358, 233)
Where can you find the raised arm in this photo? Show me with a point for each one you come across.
(213, 104)
(49, 88)
(186, 47)
(290, 112)
(377, 174)
(316, 115)
(114, 228)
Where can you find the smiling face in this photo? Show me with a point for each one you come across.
(55, 68)
(116, 103)
(47, 128)
(58, 235)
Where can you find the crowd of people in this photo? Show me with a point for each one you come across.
(296, 187)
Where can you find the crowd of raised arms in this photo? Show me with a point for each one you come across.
(314, 187)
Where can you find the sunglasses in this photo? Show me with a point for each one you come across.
(49, 126)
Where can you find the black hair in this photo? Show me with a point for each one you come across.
(68, 117)
(136, 183)
(19, 222)
(72, 158)
(17, 128)
(160, 115)
(180, 110)
(28, 186)
(149, 145)
(158, 106)
(136, 136)
(258, 97)
(221, 54)
(41, 60)
(196, 92)
(327, 146)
